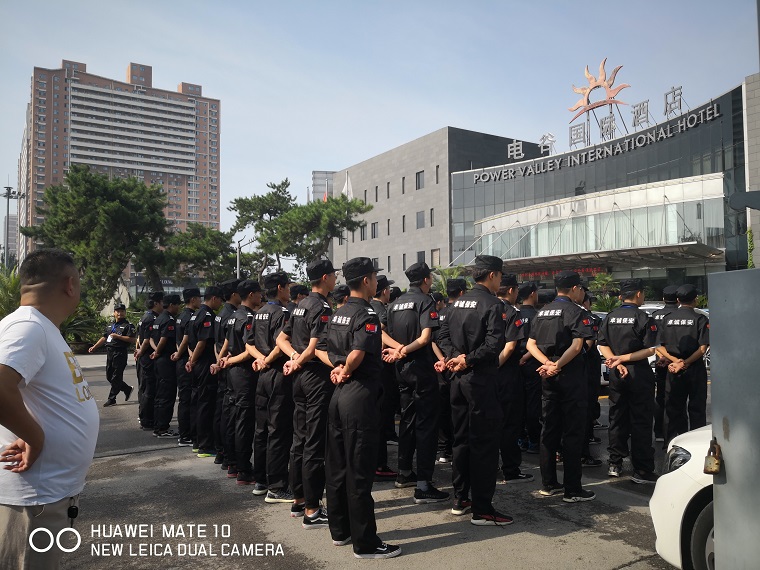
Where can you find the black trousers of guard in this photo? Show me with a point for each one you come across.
(660, 376)
(276, 391)
(353, 430)
(532, 394)
(511, 399)
(146, 392)
(204, 388)
(686, 399)
(631, 415)
(418, 428)
(388, 406)
(445, 429)
(186, 407)
(312, 391)
(241, 380)
(593, 409)
(116, 362)
(166, 392)
(220, 417)
(564, 409)
(477, 419)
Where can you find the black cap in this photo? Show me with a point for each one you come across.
(297, 290)
(417, 271)
(383, 283)
(213, 291)
(546, 296)
(358, 267)
(489, 263)
(277, 278)
(156, 296)
(686, 293)
(119, 307)
(509, 280)
(526, 289)
(628, 286)
(340, 293)
(456, 285)
(669, 294)
(172, 299)
(395, 293)
(437, 297)
(190, 292)
(567, 279)
(229, 287)
(316, 269)
(248, 286)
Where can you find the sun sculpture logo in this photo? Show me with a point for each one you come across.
(584, 105)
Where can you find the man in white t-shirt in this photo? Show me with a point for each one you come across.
(48, 417)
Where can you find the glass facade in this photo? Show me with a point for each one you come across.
(715, 146)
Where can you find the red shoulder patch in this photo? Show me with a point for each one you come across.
(325, 318)
(248, 327)
(370, 328)
(433, 315)
(207, 323)
(653, 328)
(519, 323)
(587, 322)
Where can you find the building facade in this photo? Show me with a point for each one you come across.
(10, 233)
(121, 129)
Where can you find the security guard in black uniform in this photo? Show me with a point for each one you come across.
(412, 318)
(117, 337)
(163, 340)
(186, 405)
(472, 337)
(528, 298)
(557, 336)
(661, 365)
(312, 390)
(201, 345)
(146, 374)
(353, 349)
(298, 292)
(340, 295)
(627, 339)
(242, 380)
(224, 436)
(274, 392)
(685, 337)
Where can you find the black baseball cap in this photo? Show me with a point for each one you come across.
(213, 291)
(119, 307)
(567, 279)
(277, 278)
(340, 293)
(686, 293)
(358, 267)
(383, 283)
(229, 287)
(509, 280)
(489, 263)
(628, 286)
(190, 292)
(525, 290)
(156, 296)
(417, 271)
(248, 286)
(669, 294)
(172, 299)
(316, 269)
(297, 290)
(437, 297)
(455, 285)
(546, 296)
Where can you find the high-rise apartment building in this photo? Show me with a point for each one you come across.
(121, 129)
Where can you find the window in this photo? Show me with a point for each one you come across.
(403, 262)
(376, 194)
(420, 257)
(388, 269)
(363, 233)
(374, 230)
(375, 262)
(365, 196)
(421, 219)
(437, 167)
(432, 217)
(389, 226)
(353, 237)
(403, 224)
(435, 257)
(388, 190)
(419, 180)
(403, 184)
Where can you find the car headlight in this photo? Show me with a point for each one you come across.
(677, 458)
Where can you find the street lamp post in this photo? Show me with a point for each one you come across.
(10, 193)
(240, 245)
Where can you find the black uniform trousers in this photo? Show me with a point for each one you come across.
(477, 418)
(116, 362)
(166, 392)
(275, 392)
(186, 406)
(686, 399)
(445, 429)
(146, 391)
(353, 430)
(532, 394)
(660, 376)
(631, 414)
(220, 415)
(312, 390)
(204, 390)
(564, 410)
(418, 428)
(512, 402)
(241, 380)
(593, 409)
(388, 407)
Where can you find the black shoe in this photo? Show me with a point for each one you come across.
(259, 489)
(382, 551)
(109, 403)
(432, 495)
(232, 471)
(461, 507)
(443, 458)
(392, 441)
(643, 478)
(165, 434)
(579, 496)
(317, 520)
(281, 496)
(297, 510)
(184, 442)
(615, 470)
(244, 478)
(519, 478)
(406, 480)
(493, 519)
(551, 489)
(219, 459)
(594, 440)
(590, 462)
(385, 472)
(599, 425)
(128, 393)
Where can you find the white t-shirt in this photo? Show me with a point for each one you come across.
(58, 397)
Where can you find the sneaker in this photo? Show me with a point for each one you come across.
(297, 510)
(219, 459)
(461, 507)
(244, 478)
(109, 403)
(281, 496)
(644, 478)
(146, 427)
(599, 425)
(519, 478)
(185, 442)
(343, 542)
(533, 449)
(195, 448)
(406, 480)
(579, 496)
(202, 453)
(232, 472)
(385, 472)
(594, 440)
(382, 551)
(615, 470)
(551, 490)
(432, 495)
(260, 489)
(494, 519)
(443, 459)
(224, 465)
(128, 393)
(590, 462)
(317, 520)
(165, 434)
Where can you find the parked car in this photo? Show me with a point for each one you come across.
(682, 504)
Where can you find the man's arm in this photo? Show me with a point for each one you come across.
(509, 348)
(97, 345)
(16, 418)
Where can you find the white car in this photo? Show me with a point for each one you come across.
(682, 504)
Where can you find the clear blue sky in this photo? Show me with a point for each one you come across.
(323, 85)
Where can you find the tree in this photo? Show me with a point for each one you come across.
(10, 291)
(103, 223)
(603, 283)
(443, 274)
(197, 250)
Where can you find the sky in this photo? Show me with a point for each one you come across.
(324, 85)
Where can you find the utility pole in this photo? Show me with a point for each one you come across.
(240, 245)
(10, 193)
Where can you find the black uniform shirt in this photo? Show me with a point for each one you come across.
(683, 331)
(408, 316)
(660, 314)
(268, 323)
(222, 320)
(381, 309)
(527, 315)
(239, 329)
(145, 327)
(441, 318)
(201, 327)
(557, 324)
(183, 320)
(356, 326)
(165, 327)
(474, 326)
(307, 321)
(123, 328)
(515, 330)
(628, 329)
